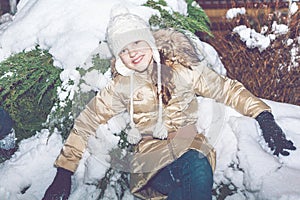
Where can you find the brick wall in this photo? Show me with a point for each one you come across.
(214, 4)
(216, 9)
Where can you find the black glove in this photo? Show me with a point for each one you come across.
(274, 135)
(60, 187)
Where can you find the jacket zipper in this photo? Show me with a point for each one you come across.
(171, 151)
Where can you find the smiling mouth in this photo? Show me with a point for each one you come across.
(137, 60)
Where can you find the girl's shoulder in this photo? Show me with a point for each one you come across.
(119, 84)
(192, 70)
(121, 80)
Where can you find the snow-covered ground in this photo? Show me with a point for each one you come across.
(71, 31)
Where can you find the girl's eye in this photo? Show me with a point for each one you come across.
(136, 42)
(123, 51)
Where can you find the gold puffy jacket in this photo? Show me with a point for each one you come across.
(179, 115)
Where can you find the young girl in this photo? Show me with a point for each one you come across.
(156, 81)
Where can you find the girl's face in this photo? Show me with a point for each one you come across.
(137, 55)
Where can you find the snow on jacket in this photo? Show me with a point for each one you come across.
(179, 115)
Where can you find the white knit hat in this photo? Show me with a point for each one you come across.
(125, 28)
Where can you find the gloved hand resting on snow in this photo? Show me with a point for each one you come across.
(274, 135)
(60, 187)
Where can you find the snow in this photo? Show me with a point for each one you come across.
(233, 12)
(260, 40)
(72, 31)
(293, 8)
(252, 38)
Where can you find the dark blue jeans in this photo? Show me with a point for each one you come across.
(187, 178)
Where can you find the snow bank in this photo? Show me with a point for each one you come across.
(72, 30)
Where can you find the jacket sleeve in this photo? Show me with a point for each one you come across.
(99, 110)
(208, 83)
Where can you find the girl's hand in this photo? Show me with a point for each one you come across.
(274, 135)
(60, 187)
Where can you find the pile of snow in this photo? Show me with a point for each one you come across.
(243, 161)
(262, 40)
(71, 31)
(234, 12)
